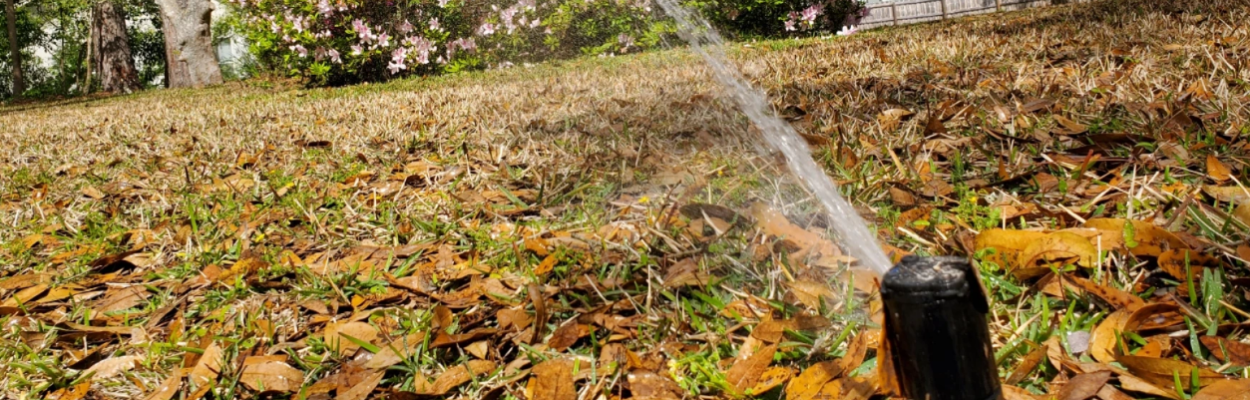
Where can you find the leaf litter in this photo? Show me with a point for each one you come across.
(469, 237)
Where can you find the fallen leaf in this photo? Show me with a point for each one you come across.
(111, 367)
(1015, 393)
(459, 375)
(1084, 386)
(478, 349)
(395, 351)
(1026, 365)
(1056, 248)
(336, 336)
(1236, 353)
(1115, 297)
(808, 384)
(1217, 170)
(1228, 194)
(546, 265)
(1149, 240)
(1159, 371)
(1177, 262)
(1225, 390)
(272, 376)
(1109, 392)
(567, 335)
(1105, 337)
(169, 387)
(812, 294)
(771, 378)
(553, 380)
(75, 392)
(209, 366)
(745, 373)
(647, 384)
(1132, 383)
(363, 388)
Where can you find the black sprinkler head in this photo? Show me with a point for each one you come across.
(935, 322)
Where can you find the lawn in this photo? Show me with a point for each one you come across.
(613, 228)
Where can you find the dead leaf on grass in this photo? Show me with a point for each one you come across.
(272, 376)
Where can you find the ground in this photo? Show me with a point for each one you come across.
(611, 227)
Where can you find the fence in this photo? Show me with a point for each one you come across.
(910, 12)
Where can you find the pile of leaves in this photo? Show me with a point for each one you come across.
(600, 229)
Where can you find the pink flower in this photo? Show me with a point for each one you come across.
(443, 3)
(334, 56)
(848, 30)
(384, 40)
(434, 25)
(487, 29)
(301, 50)
(356, 50)
(397, 60)
(790, 25)
(405, 27)
(324, 8)
(809, 14)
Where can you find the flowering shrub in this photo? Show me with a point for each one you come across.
(765, 18)
(342, 41)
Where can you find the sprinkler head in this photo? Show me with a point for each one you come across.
(935, 322)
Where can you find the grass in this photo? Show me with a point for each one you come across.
(263, 213)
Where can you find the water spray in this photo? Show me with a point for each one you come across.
(936, 327)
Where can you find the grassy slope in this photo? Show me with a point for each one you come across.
(241, 211)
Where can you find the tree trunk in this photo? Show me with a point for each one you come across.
(189, 57)
(15, 50)
(117, 67)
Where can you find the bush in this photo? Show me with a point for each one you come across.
(345, 41)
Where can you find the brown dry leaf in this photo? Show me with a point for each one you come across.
(112, 367)
(335, 336)
(546, 265)
(1109, 392)
(1228, 194)
(855, 352)
(1150, 240)
(1026, 366)
(890, 119)
(553, 380)
(362, 389)
(1159, 371)
(169, 387)
(1084, 386)
(1236, 353)
(1116, 297)
(75, 392)
(1225, 390)
(1103, 339)
(771, 331)
(395, 351)
(1014, 393)
(478, 349)
(25, 295)
(775, 224)
(1176, 262)
(745, 373)
(1068, 126)
(123, 299)
(567, 335)
(685, 273)
(773, 377)
(272, 376)
(1061, 248)
(1007, 244)
(858, 388)
(647, 384)
(209, 366)
(812, 294)
(459, 375)
(1217, 170)
(1132, 383)
(808, 384)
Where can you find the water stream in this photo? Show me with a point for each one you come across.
(855, 236)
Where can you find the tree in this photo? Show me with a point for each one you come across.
(15, 50)
(117, 67)
(191, 61)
